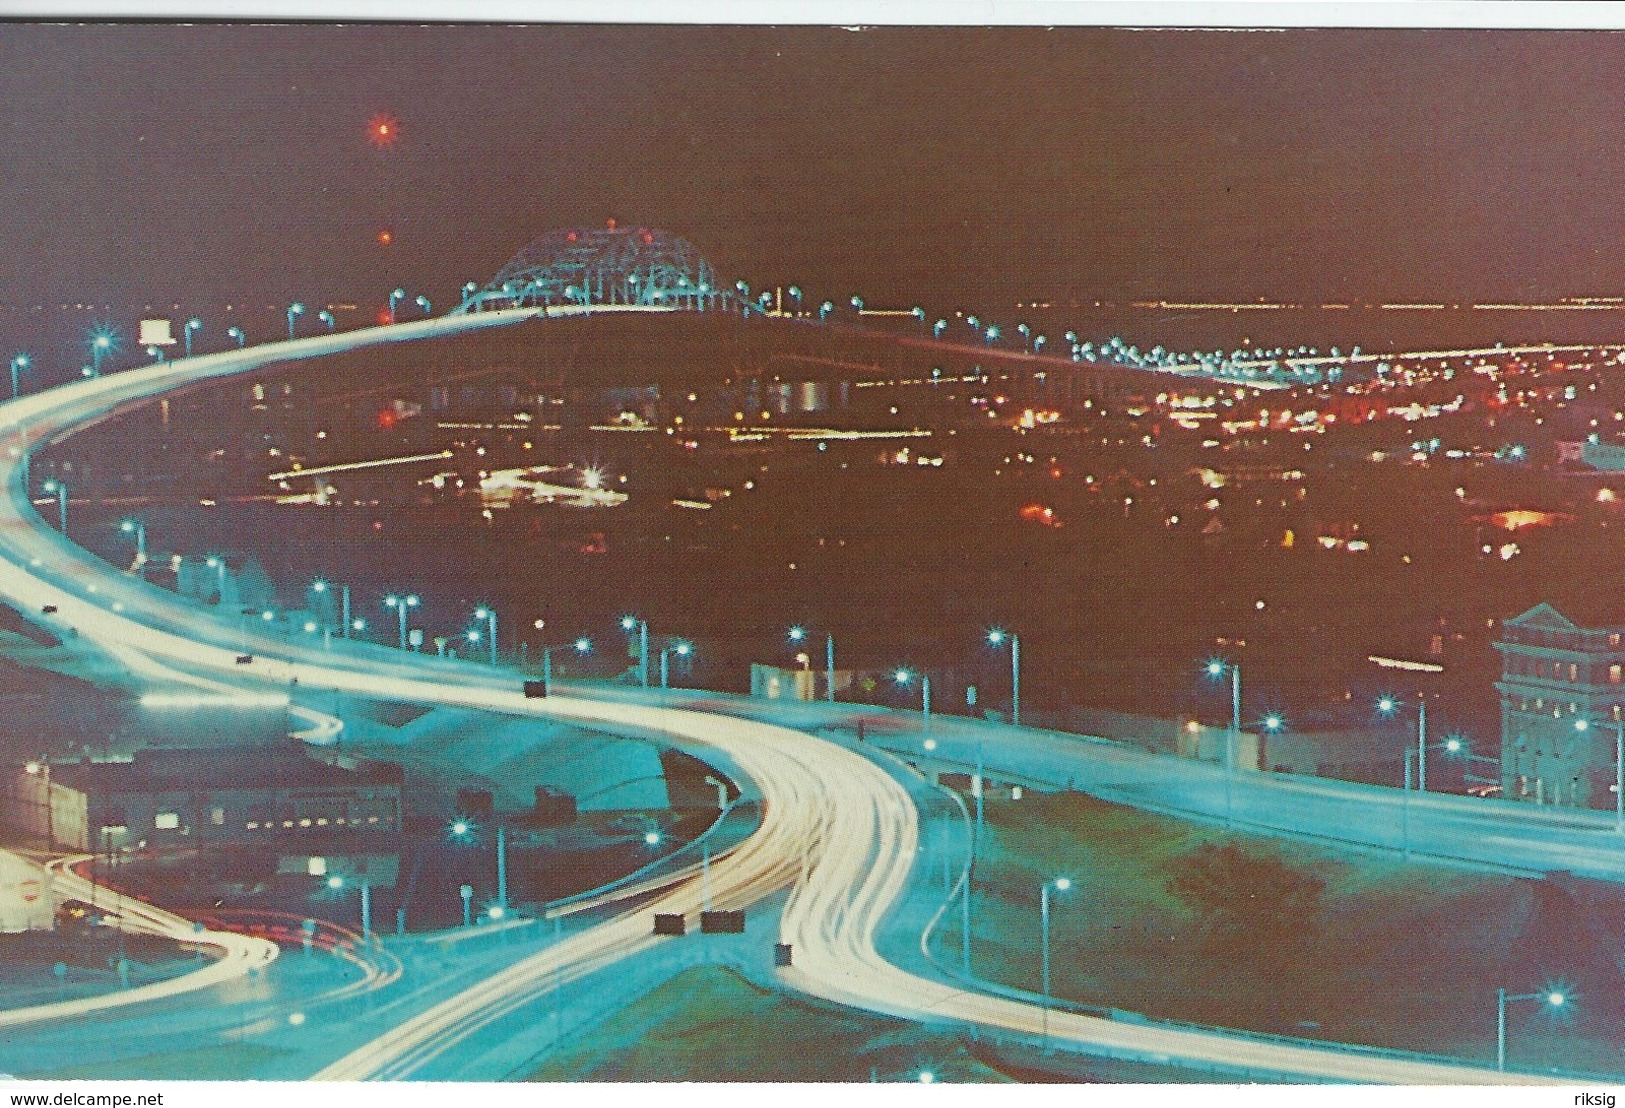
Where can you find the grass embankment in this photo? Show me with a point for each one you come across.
(709, 1024)
(1398, 955)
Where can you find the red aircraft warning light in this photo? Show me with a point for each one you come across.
(382, 131)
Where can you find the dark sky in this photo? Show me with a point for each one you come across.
(950, 167)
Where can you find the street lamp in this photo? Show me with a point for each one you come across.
(193, 324)
(798, 634)
(19, 363)
(1216, 669)
(1582, 726)
(938, 327)
(1061, 885)
(61, 491)
(336, 883)
(236, 333)
(824, 309)
(1555, 998)
(795, 294)
(294, 311)
(218, 564)
(345, 621)
(423, 302)
(1387, 705)
(489, 615)
(581, 645)
(463, 830)
(100, 343)
(997, 637)
(327, 317)
(139, 530)
(401, 604)
(398, 294)
(679, 648)
(903, 677)
(629, 624)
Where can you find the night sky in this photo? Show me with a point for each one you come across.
(949, 167)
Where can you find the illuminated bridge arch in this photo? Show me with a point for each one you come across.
(627, 266)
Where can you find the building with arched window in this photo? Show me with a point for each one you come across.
(1554, 675)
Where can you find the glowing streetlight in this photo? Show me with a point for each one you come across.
(139, 530)
(631, 624)
(582, 646)
(997, 637)
(1553, 998)
(1388, 705)
(423, 302)
(61, 491)
(327, 317)
(904, 677)
(798, 634)
(824, 309)
(489, 615)
(101, 342)
(294, 312)
(236, 333)
(18, 364)
(401, 605)
(1216, 669)
(398, 294)
(193, 324)
(1060, 885)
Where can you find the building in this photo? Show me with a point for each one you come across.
(174, 797)
(1554, 674)
(233, 581)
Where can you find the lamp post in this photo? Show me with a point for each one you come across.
(336, 883)
(797, 635)
(61, 491)
(489, 615)
(401, 604)
(345, 622)
(193, 324)
(629, 624)
(1582, 726)
(218, 564)
(824, 309)
(582, 646)
(462, 829)
(997, 637)
(19, 363)
(795, 294)
(903, 677)
(294, 312)
(1217, 669)
(678, 647)
(237, 333)
(1061, 885)
(100, 344)
(327, 317)
(423, 302)
(1554, 997)
(1387, 705)
(398, 294)
(139, 530)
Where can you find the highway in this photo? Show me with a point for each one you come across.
(838, 830)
